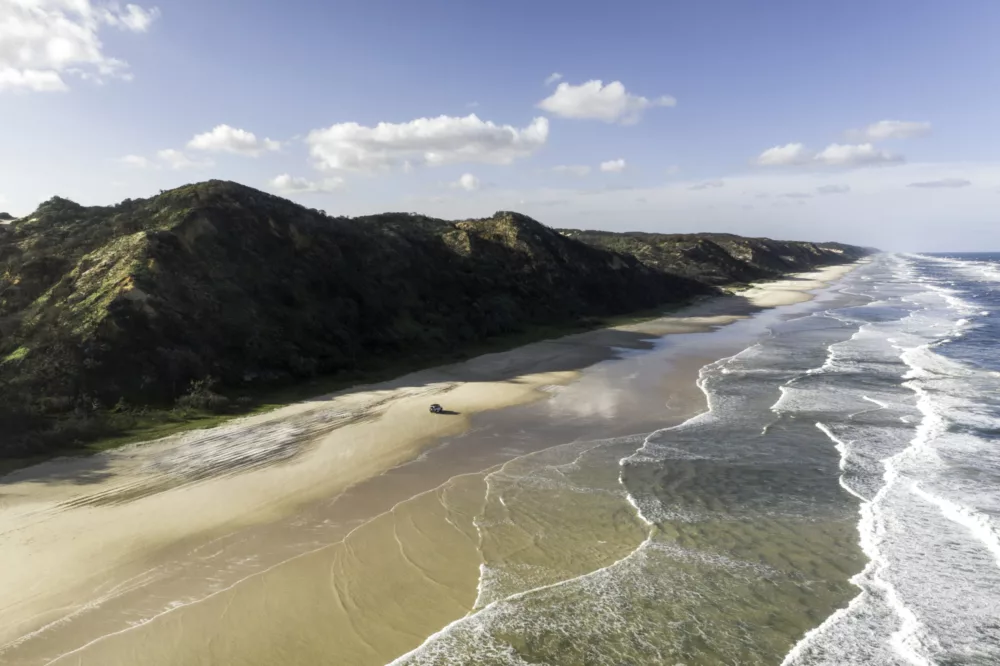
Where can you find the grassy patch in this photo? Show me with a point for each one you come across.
(15, 355)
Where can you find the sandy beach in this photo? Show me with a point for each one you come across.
(340, 508)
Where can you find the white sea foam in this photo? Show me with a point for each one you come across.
(978, 523)
(855, 634)
(908, 638)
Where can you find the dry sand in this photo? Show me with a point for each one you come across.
(80, 532)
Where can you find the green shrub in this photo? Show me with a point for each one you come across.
(201, 396)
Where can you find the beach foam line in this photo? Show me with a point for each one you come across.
(514, 597)
(499, 469)
(977, 523)
(844, 449)
(907, 640)
(701, 383)
(883, 405)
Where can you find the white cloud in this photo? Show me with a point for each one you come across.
(176, 159)
(942, 183)
(137, 161)
(796, 195)
(552, 78)
(891, 129)
(594, 100)
(790, 153)
(572, 169)
(432, 141)
(34, 80)
(613, 166)
(708, 184)
(467, 182)
(837, 154)
(287, 184)
(41, 41)
(136, 19)
(226, 139)
(833, 189)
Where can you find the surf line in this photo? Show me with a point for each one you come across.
(444, 631)
(501, 469)
(869, 527)
(905, 641)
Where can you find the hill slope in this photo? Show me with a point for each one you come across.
(135, 301)
(720, 259)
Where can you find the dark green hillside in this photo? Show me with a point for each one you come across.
(104, 309)
(720, 258)
(132, 302)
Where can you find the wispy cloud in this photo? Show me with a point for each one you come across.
(835, 154)
(572, 169)
(287, 184)
(890, 129)
(942, 183)
(790, 153)
(177, 160)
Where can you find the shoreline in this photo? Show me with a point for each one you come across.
(156, 423)
(152, 424)
(120, 507)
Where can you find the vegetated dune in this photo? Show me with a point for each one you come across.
(720, 259)
(129, 304)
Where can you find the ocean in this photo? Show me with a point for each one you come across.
(837, 503)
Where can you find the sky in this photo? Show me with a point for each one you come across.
(868, 122)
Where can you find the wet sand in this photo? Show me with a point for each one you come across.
(344, 526)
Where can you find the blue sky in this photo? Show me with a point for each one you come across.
(703, 91)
